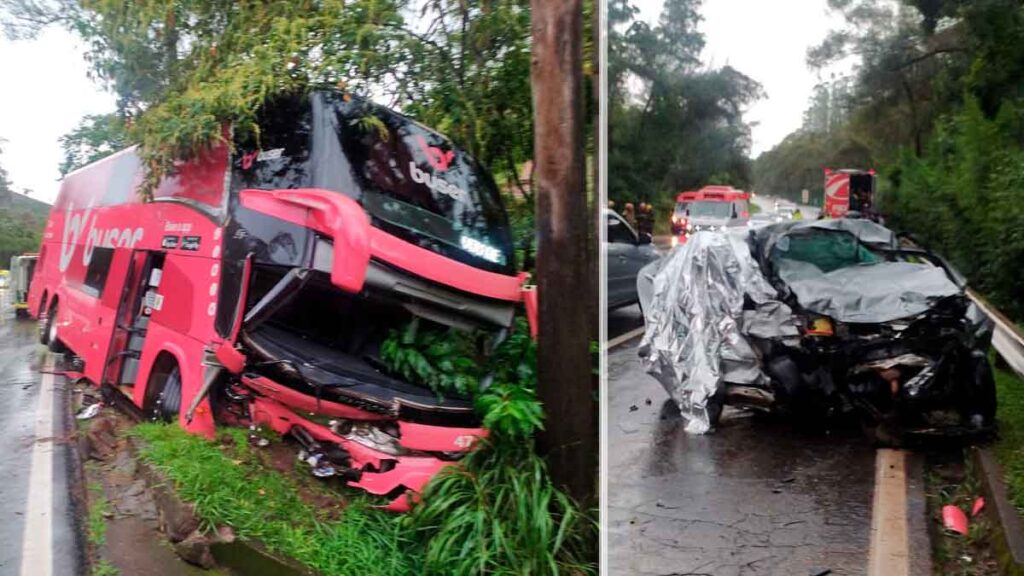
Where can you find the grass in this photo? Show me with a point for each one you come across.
(229, 487)
(954, 554)
(498, 514)
(99, 508)
(104, 568)
(1010, 448)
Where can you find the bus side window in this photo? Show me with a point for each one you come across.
(99, 267)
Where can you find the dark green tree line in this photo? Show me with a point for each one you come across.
(937, 106)
(674, 123)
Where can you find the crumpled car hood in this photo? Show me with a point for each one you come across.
(869, 293)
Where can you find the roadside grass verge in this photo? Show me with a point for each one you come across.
(1010, 447)
(229, 487)
(99, 508)
(496, 514)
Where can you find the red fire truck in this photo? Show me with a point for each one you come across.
(258, 284)
(849, 190)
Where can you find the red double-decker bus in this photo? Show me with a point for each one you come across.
(258, 284)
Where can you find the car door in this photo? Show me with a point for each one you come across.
(622, 261)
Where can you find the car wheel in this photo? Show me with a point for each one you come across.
(166, 386)
(53, 342)
(980, 402)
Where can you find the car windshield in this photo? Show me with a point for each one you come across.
(827, 250)
(711, 209)
(413, 182)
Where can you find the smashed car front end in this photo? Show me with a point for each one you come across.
(850, 323)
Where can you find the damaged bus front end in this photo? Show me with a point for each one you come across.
(819, 320)
(347, 223)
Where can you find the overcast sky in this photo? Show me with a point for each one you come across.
(768, 41)
(44, 93)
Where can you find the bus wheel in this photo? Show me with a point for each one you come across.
(165, 383)
(52, 341)
(44, 331)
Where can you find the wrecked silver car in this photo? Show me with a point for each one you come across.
(818, 319)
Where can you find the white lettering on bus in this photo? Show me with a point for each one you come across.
(103, 237)
(435, 183)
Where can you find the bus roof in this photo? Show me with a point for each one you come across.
(714, 194)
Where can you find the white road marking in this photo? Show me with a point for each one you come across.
(889, 552)
(623, 338)
(37, 543)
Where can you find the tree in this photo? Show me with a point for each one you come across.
(95, 136)
(674, 124)
(565, 383)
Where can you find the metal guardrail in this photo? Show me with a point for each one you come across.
(1007, 339)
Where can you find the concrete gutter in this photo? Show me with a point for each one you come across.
(1008, 537)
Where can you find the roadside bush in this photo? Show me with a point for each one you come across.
(964, 198)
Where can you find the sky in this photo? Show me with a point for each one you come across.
(43, 95)
(766, 40)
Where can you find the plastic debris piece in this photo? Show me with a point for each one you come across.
(954, 519)
(979, 505)
(89, 411)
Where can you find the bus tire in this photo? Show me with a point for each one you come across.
(165, 384)
(41, 315)
(53, 342)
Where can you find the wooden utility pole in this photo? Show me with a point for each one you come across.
(564, 279)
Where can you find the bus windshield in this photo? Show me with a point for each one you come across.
(711, 209)
(413, 182)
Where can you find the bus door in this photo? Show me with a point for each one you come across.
(133, 311)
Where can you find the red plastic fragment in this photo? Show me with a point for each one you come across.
(954, 519)
(979, 504)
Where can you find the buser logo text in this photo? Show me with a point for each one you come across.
(436, 184)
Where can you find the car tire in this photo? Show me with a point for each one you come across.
(980, 404)
(53, 342)
(165, 384)
(715, 407)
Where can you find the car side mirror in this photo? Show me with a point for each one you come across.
(645, 238)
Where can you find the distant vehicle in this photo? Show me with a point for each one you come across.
(849, 190)
(627, 253)
(786, 212)
(22, 268)
(763, 219)
(710, 208)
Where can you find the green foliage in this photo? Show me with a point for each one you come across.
(95, 137)
(962, 198)
(1010, 448)
(449, 360)
(22, 220)
(674, 124)
(104, 568)
(231, 488)
(498, 513)
(444, 360)
(99, 508)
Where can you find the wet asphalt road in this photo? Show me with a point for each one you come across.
(20, 385)
(754, 498)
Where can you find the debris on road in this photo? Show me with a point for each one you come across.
(954, 519)
(89, 412)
